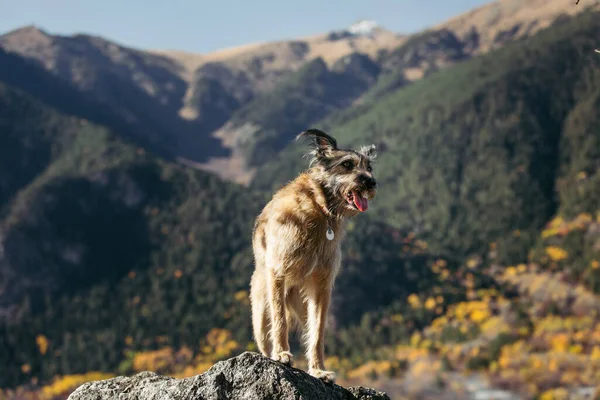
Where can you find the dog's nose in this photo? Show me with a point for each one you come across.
(369, 182)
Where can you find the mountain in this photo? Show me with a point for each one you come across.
(181, 97)
(473, 152)
(260, 129)
(90, 62)
(146, 89)
(411, 58)
(196, 107)
(236, 83)
(33, 79)
(501, 21)
(259, 67)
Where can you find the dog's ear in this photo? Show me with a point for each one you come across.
(323, 142)
(369, 151)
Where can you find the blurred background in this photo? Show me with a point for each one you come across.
(139, 141)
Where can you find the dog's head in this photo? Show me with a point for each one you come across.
(347, 175)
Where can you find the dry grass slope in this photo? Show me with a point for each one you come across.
(279, 56)
(511, 19)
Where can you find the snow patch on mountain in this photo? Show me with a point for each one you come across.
(363, 27)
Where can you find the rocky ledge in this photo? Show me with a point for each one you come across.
(249, 376)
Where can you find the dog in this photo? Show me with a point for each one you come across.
(296, 243)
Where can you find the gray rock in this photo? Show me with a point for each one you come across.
(249, 376)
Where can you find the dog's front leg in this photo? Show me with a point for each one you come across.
(318, 306)
(279, 329)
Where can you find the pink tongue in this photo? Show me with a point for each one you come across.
(361, 203)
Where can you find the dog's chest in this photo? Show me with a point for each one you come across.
(322, 259)
(322, 250)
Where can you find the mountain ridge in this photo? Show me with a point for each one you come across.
(175, 87)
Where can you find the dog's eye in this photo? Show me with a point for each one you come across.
(347, 164)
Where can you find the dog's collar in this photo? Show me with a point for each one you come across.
(326, 211)
(329, 234)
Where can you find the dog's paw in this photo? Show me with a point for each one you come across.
(284, 357)
(325, 376)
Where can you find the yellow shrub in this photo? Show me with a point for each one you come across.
(556, 221)
(570, 377)
(553, 365)
(64, 385)
(219, 344)
(414, 301)
(479, 315)
(556, 253)
(555, 394)
(42, 343)
(242, 296)
(546, 233)
(576, 349)
(156, 360)
(397, 318)
(494, 326)
(430, 303)
(415, 339)
(377, 367)
(560, 342)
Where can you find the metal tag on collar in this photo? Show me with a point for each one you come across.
(330, 235)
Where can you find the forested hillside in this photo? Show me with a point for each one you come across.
(103, 242)
(65, 97)
(98, 212)
(477, 151)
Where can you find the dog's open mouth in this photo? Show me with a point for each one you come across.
(357, 200)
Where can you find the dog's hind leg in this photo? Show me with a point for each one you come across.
(260, 313)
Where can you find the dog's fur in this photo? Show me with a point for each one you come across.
(295, 264)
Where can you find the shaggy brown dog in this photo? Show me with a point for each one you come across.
(296, 242)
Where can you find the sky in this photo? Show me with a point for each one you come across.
(203, 26)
